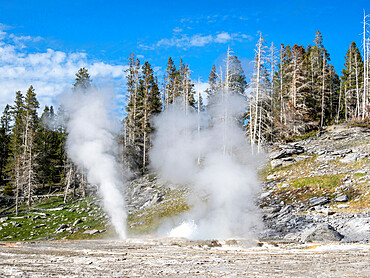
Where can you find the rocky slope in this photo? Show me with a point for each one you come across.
(315, 189)
(318, 188)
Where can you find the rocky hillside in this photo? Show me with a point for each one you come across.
(318, 188)
(313, 189)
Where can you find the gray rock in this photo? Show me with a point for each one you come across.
(91, 232)
(342, 198)
(276, 163)
(357, 229)
(288, 161)
(272, 209)
(56, 209)
(266, 194)
(286, 209)
(315, 201)
(320, 232)
(15, 224)
(78, 221)
(61, 228)
(39, 226)
(349, 158)
(286, 151)
(3, 219)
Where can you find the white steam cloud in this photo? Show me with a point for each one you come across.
(209, 152)
(92, 146)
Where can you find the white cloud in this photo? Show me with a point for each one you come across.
(50, 72)
(198, 40)
(223, 37)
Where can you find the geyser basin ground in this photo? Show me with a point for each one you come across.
(181, 258)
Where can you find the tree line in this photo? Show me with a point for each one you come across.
(294, 90)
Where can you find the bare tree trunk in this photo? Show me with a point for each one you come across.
(69, 176)
(345, 103)
(17, 185)
(340, 96)
(257, 88)
(281, 92)
(357, 89)
(198, 127)
(29, 173)
(323, 92)
(365, 45)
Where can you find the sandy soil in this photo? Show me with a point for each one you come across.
(181, 258)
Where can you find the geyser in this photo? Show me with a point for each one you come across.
(211, 155)
(91, 146)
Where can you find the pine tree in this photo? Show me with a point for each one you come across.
(82, 80)
(144, 103)
(49, 162)
(320, 79)
(171, 82)
(213, 82)
(133, 77)
(15, 161)
(237, 81)
(31, 105)
(149, 104)
(5, 134)
(186, 87)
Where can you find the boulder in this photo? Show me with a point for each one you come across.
(315, 201)
(288, 161)
(286, 151)
(276, 163)
(342, 198)
(78, 221)
(15, 224)
(357, 229)
(3, 219)
(349, 158)
(320, 232)
(91, 232)
(61, 228)
(286, 209)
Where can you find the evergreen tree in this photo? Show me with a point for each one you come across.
(133, 77)
(31, 105)
(237, 80)
(82, 80)
(212, 82)
(171, 82)
(149, 104)
(178, 83)
(352, 79)
(144, 102)
(5, 134)
(15, 162)
(49, 163)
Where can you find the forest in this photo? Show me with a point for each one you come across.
(294, 90)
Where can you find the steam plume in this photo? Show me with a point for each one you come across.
(91, 145)
(215, 161)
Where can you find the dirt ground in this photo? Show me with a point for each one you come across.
(181, 258)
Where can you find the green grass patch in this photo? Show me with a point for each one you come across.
(41, 221)
(302, 137)
(326, 182)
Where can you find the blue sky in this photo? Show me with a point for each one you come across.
(44, 42)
